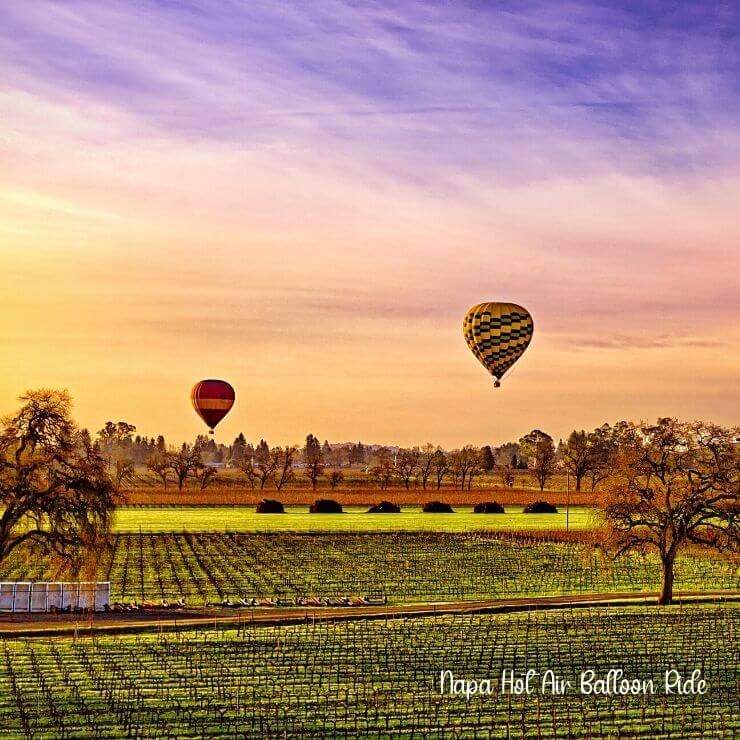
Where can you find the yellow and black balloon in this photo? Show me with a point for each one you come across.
(498, 334)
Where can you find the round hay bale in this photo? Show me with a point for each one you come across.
(488, 507)
(384, 507)
(541, 507)
(438, 507)
(325, 506)
(270, 506)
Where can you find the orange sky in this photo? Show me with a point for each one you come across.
(326, 277)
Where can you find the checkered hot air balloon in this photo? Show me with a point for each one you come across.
(498, 334)
(212, 400)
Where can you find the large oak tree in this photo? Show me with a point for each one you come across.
(55, 491)
(675, 484)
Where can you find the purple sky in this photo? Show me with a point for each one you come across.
(295, 182)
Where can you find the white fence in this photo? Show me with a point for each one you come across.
(30, 596)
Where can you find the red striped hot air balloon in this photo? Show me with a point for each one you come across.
(212, 400)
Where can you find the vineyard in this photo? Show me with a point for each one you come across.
(400, 566)
(233, 492)
(378, 678)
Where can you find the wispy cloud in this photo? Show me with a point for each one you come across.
(516, 93)
(620, 341)
(236, 183)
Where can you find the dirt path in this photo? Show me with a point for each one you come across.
(48, 625)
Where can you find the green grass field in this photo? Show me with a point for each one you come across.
(379, 678)
(354, 519)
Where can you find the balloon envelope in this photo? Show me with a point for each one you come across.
(212, 400)
(498, 334)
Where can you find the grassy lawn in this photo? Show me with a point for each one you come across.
(354, 519)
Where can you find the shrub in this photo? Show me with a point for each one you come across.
(325, 506)
(384, 507)
(488, 507)
(541, 507)
(270, 506)
(438, 507)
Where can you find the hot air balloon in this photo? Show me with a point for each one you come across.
(498, 334)
(212, 400)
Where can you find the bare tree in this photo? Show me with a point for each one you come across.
(604, 443)
(205, 475)
(125, 473)
(265, 469)
(407, 463)
(454, 466)
(426, 464)
(539, 450)
(544, 463)
(55, 493)
(184, 463)
(676, 484)
(578, 456)
(283, 461)
(383, 473)
(507, 472)
(440, 467)
(464, 464)
(475, 466)
(159, 464)
(246, 466)
(314, 470)
(335, 478)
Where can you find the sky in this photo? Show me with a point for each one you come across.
(305, 198)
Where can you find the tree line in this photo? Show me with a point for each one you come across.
(671, 484)
(586, 457)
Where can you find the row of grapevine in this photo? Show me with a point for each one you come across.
(378, 678)
(402, 566)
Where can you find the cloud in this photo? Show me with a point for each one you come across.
(340, 181)
(38, 202)
(417, 90)
(621, 341)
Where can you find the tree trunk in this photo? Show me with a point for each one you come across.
(666, 593)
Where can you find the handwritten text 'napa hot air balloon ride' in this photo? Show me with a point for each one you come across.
(498, 334)
(212, 400)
